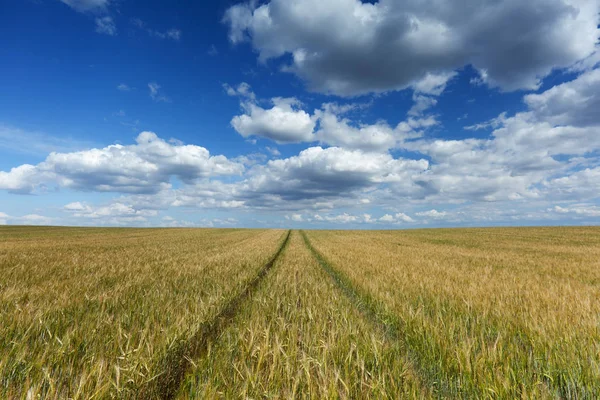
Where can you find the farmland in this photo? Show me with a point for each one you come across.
(218, 313)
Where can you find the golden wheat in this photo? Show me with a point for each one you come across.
(300, 337)
(88, 312)
(164, 313)
(488, 312)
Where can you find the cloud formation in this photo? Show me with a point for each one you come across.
(350, 47)
(282, 123)
(532, 157)
(145, 167)
(287, 122)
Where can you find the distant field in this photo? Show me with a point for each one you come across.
(217, 313)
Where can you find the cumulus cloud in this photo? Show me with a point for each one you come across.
(396, 219)
(295, 217)
(403, 217)
(545, 149)
(581, 210)
(579, 185)
(387, 218)
(29, 219)
(530, 162)
(350, 47)
(337, 131)
(145, 167)
(282, 123)
(286, 122)
(432, 214)
(344, 218)
(575, 103)
(318, 174)
(116, 213)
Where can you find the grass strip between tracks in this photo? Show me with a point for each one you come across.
(175, 363)
(389, 323)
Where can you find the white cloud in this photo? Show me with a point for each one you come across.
(34, 219)
(350, 47)
(145, 167)
(575, 103)
(432, 214)
(114, 211)
(316, 175)
(403, 217)
(585, 211)
(155, 93)
(294, 217)
(106, 25)
(286, 122)
(123, 87)
(242, 90)
(433, 84)
(425, 90)
(387, 218)
(283, 123)
(397, 218)
(274, 152)
(529, 162)
(577, 185)
(422, 103)
(76, 206)
(532, 154)
(174, 34)
(29, 219)
(339, 132)
(344, 218)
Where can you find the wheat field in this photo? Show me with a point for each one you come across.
(224, 313)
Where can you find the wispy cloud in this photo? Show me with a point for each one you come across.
(26, 142)
(173, 33)
(155, 93)
(85, 6)
(123, 87)
(106, 25)
(212, 50)
(29, 219)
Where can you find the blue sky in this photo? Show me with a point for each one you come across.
(337, 114)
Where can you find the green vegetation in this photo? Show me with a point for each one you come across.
(194, 314)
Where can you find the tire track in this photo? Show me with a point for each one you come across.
(175, 363)
(389, 323)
